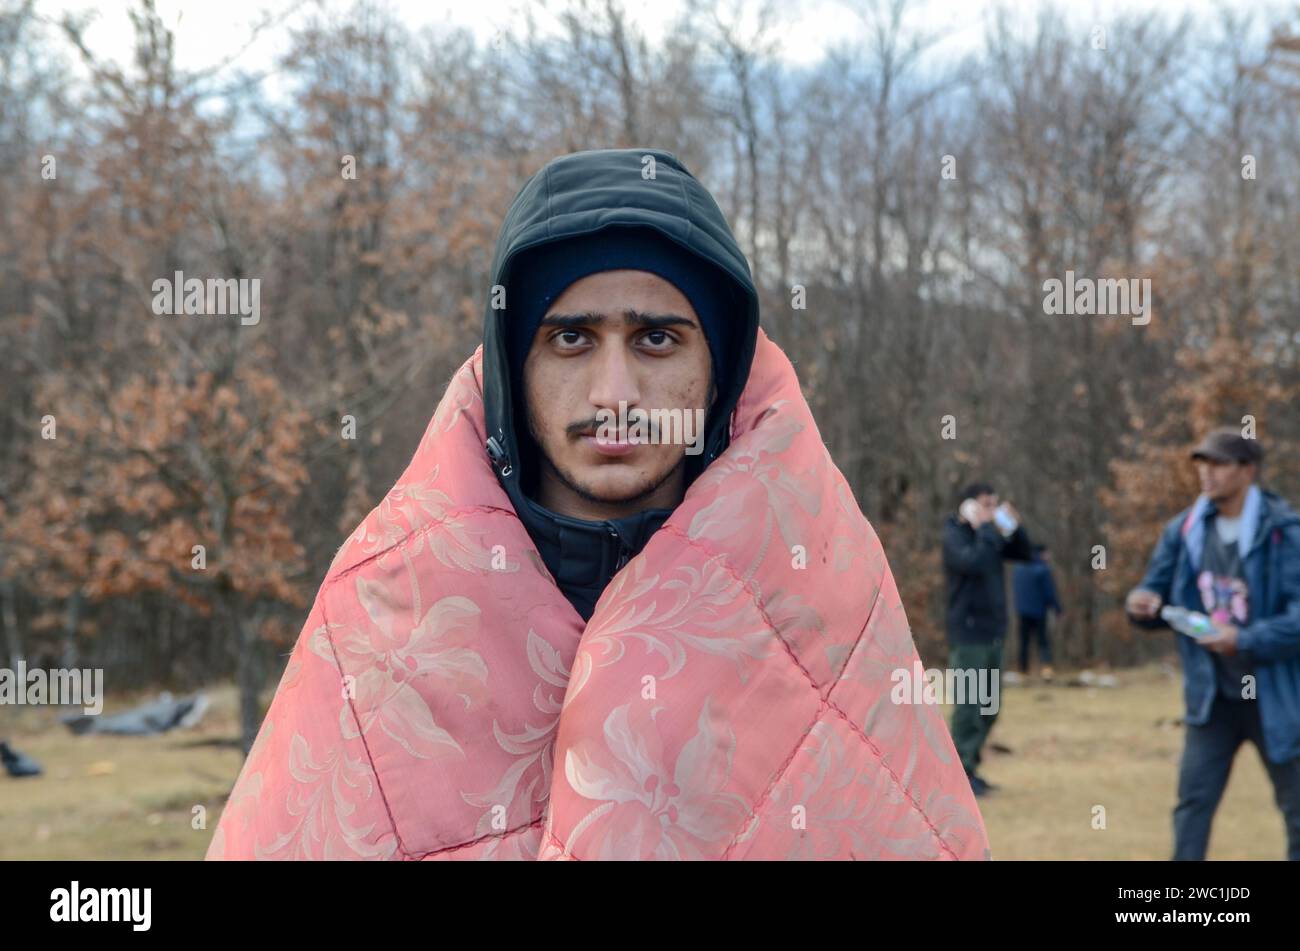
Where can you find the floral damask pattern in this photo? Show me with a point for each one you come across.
(728, 698)
(653, 807)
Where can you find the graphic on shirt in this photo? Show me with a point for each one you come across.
(1223, 597)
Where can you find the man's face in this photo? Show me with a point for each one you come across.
(1223, 480)
(989, 502)
(615, 336)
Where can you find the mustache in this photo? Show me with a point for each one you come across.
(588, 427)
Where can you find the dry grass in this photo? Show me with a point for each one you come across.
(1072, 749)
(1075, 748)
(117, 797)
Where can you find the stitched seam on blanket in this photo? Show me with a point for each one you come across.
(338, 665)
(776, 777)
(329, 584)
(380, 786)
(423, 530)
(420, 856)
(825, 701)
(373, 770)
(564, 853)
(821, 709)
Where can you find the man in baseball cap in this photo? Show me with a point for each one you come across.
(1233, 555)
(1228, 445)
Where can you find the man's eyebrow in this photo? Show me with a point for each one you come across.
(640, 319)
(570, 321)
(657, 320)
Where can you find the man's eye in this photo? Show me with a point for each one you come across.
(658, 338)
(569, 338)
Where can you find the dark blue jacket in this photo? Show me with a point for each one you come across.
(1035, 590)
(1272, 638)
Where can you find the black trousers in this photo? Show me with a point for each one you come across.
(1208, 752)
(1034, 629)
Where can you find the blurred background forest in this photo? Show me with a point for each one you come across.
(924, 293)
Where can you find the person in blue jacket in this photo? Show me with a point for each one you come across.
(1233, 555)
(1035, 592)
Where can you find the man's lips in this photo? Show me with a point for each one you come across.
(608, 447)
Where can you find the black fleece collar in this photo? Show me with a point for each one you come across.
(584, 555)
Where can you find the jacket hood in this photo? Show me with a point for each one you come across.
(1274, 513)
(586, 192)
(579, 194)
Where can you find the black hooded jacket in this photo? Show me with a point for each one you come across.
(977, 588)
(575, 195)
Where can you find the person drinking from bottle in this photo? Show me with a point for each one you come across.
(1234, 557)
(976, 540)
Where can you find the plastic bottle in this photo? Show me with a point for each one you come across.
(1006, 523)
(1192, 623)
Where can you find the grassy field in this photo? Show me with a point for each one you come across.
(1072, 748)
(120, 797)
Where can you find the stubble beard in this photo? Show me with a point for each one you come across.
(587, 494)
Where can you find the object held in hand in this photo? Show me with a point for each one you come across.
(1006, 523)
(1192, 623)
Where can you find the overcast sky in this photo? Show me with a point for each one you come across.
(211, 30)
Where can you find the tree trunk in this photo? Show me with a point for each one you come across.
(9, 621)
(249, 674)
(71, 618)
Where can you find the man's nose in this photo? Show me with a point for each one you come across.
(614, 378)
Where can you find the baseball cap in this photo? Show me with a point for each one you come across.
(1228, 445)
